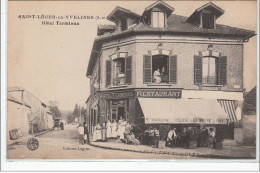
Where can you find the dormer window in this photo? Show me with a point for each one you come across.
(205, 17)
(208, 20)
(158, 19)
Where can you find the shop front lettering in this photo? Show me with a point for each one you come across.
(117, 95)
(171, 94)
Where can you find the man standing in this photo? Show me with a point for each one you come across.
(86, 134)
(172, 137)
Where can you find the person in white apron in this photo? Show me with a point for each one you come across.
(98, 132)
(114, 129)
(109, 129)
(120, 121)
(122, 130)
(95, 134)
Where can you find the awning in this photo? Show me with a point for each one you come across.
(230, 109)
(182, 111)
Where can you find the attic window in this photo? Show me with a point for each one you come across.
(158, 19)
(208, 20)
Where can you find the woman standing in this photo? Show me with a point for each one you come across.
(98, 132)
(122, 130)
(114, 130)
(95, 134)
(104, 132)
(109, 129)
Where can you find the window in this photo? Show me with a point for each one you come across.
(209, 70)
(160, 69)
(124, 24)
(119, 72)
(208, 20)
(158, 19)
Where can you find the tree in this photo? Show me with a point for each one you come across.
(53, 106)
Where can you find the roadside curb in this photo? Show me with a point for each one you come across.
(216, 156)
(28, 137)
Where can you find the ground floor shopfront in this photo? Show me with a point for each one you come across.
(178, 107)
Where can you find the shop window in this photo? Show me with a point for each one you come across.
(209, 70)
(119, 71)
(160, 69)
(158, 19)
(208, 20)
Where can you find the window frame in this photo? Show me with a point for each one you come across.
(216, 70)
(168, 71)
(202, 20)
(158, 19)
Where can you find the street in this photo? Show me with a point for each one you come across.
(63, 144)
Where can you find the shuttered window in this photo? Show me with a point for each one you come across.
(205, 69)
(173, 69)
(128, 70)
(147, 69)
(197, 69)
(108, 72)
(222, 70)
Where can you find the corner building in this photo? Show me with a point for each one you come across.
(163, 68)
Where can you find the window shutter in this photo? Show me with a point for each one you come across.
(197, 69)
(108, 72)
(173, 69)
(147, 69)
(128, 70)
(222, 70)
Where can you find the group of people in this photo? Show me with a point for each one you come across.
(124, 131)
(83, 134)
(203, 137)
(121, 129)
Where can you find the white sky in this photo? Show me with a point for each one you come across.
(51, 61)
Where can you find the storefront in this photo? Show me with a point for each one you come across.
(158, 106)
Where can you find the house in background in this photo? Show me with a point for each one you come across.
(35, 119)
(249, 118)
(18, 118)
(163, 68)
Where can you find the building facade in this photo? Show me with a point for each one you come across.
(163, 68)
(35, 120)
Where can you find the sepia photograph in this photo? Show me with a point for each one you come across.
(145, 80)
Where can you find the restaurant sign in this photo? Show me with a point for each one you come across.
(153, 93)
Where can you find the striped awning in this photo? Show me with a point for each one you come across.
(230, 109)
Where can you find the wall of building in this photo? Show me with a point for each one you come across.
(50, 121)
(107, 52)
(249, 130)
(18, 117)
(185, 51)
(185, 62)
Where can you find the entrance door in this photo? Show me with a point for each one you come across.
(114, 114)
(121, 112)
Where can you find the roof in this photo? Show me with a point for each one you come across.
(178, 25)
(120, 12)
(10, 89)
(212, 7)
(159, 4)
(13, 99)
(105, 28)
